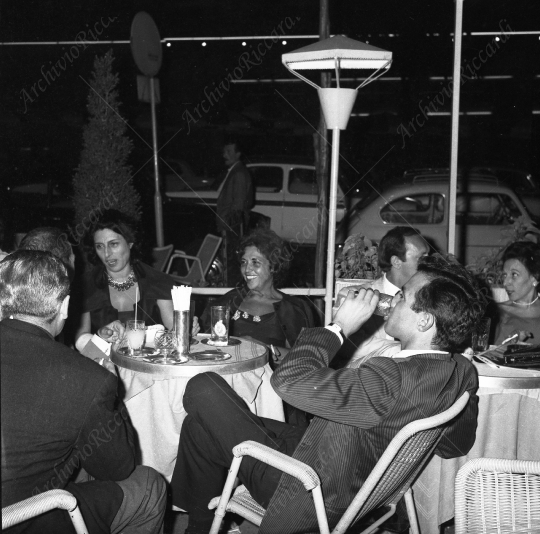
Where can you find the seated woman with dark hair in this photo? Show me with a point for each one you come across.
(521, 313)
(120, 281)
(257, 308)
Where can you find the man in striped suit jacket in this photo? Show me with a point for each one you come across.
(357, 411)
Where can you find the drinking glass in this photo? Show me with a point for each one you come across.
(165, 343)
(219, 324)
(135, 333)
(480, 336)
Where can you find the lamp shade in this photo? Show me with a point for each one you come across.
(337, 105)
(350, 53)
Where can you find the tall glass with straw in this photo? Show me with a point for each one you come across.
(181, 297)
(135, 332)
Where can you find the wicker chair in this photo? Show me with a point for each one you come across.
(387, 483)
(44, 502)
(497, 496)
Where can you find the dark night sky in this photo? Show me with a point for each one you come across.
(62, 20)
(55, 118)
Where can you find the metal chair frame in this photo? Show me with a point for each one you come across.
(387, 483)
(39, 504)
(161, 256)
(498, 496)
(197, 266)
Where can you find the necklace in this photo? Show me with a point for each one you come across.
(525, 303)
(122, 286)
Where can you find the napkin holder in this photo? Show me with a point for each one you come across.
(181, 329)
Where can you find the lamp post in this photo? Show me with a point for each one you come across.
(334, 54)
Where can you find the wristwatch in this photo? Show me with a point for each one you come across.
(334, 327)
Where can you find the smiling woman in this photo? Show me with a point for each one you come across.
(257, 308)
(120, 283)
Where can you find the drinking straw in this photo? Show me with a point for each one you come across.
(136, 300)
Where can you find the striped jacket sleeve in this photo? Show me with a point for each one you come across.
(358, 397)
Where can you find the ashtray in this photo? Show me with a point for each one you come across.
(209, 355)
(232, 341)
(145, 352)
(174, 359)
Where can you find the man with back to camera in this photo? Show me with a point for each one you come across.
(399, 252)
(356, 411)
(234, 203)
(53, 240)
(60, 411)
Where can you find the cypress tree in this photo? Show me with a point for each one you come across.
(103, 179)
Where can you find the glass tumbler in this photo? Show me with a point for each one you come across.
(135, 334)
(219, 323)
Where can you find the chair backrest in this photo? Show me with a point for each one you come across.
(39, 504)
(195, 267)
(161, 256)
(400, 463)
(494, 495)
(207, 251)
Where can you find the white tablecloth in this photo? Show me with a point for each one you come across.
(508, 427)
(155, 407)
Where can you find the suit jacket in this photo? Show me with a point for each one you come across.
(357, 413)
(236, 198)
(59, 411)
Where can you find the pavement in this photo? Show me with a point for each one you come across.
(176, 523)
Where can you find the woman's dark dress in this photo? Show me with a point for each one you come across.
(153, 286)
(279, 328)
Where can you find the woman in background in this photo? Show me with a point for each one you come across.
(257, 308)
(521, 313)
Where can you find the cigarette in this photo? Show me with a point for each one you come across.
(509, 339)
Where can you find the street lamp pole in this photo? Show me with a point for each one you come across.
(334, 54)
(332, 212)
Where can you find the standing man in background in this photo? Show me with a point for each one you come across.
(234, 204)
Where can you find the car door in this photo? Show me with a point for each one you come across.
(269, 185)
(300, 216)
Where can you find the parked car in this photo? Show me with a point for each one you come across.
(179, 176)
(37, 201)
(522, 182)
(484, 207)
(285, 191)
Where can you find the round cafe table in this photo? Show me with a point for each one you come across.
(154, 393)
(508, 427)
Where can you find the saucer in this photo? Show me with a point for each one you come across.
(209, 355)
(232, 341)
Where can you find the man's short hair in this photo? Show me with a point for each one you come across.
(33, 283)
(49, 239)
(453, 297)
(394, 244)
(236, 142)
